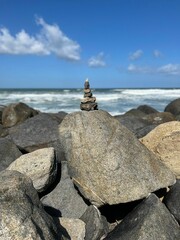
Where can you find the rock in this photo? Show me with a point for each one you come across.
(173, 107)
(58, 116)
(159, 118)
(38, 132)
(172, 202)
(3, 131)
(39, 165)
(141, 132)
(147, 109)
(8, 153)
(135, 112)
(75, 228)
(164, 141)
(88, 103)
(96, 225)
(64, 199)
(149, 220)
(22, 215)
(1, 110)
(16, 113)
(107, 162)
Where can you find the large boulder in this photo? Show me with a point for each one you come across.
(64, 199)
(149, 220)
(16, 113)
(164, 141)
(39, 165)
(159, 117)
(22, 215)
(8, 153)
(147, 109)
(38, 132)
(1, 111)
(172, 200)
(107, 162)
(173, 107)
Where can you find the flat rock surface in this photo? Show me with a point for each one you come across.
(107, 162)
(164, 141)
(150, 220)
(39, 165)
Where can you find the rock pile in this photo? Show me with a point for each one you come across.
(88, 103)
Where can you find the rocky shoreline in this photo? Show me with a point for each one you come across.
(89, 175)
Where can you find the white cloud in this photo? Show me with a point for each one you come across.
(136, 55)
(136, 69)
(50, 40)
(157, 53)
(170, 69)
(97, 61)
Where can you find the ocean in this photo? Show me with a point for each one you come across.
(115, 101)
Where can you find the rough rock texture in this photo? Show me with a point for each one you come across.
(96, 225)
(107, 162)
(159, 118)
(135, 112)
(149, 220)
(16, 113)
(141, 132)
(8, 153)
(1, 110)
(38, 132)
(39, 165)
(173, 107)
(64, 198)
(22, 216)
(164, 141)
(172, 200)
(58, 116)
(147, 109)
(75, 228)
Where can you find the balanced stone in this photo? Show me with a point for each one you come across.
(88, 103)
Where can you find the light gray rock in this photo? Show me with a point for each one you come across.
(22, 215)
(39, 165)
(16, 113)
(107, 162)
(8, 153)
(149, 220)
(64, 198)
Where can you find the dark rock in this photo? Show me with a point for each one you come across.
(159, 118)
(3, 131)
(141, 132)
(149, 220)
(22, 215)
(147, 109)
(38, 132)
(16, 113)
(173, 107)
(96, 225)
(8, 153)
(1, 110)
(107, 162)
(64, 199)
(172, 200)
(58, 116)
(135, 112)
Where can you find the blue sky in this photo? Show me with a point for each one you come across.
(114, 43)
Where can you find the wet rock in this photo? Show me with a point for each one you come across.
(22, 215)
(96, 225)
(172, 202)
(149, 220)
(39, 165)
(38, 132)
(8, 153)
(16, 113)
(164, 141)
(107, 162)
(64, 200)
(147, 109)
(173, 107)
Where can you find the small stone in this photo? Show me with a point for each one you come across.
(88, 99)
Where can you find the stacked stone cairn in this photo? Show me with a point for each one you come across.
(88, 103)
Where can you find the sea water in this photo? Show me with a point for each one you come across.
(115, 101)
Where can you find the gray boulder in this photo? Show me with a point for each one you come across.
(159, 118)
(96, 225)
(22, 215)
(38, 132)
(107, 162)
(173, 107)
(39, 165)
(1, 110)
(149, 220)
(8, 153)
(16, 113)
(64, 199)
(147, 109)
(172, 200)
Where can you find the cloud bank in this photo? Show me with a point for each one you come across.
(97, 61)
(136, 55)
(170, 69)
(50, 40)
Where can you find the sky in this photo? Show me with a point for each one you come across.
(113, 43)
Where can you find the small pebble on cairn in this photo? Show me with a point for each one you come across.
(88, 103)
